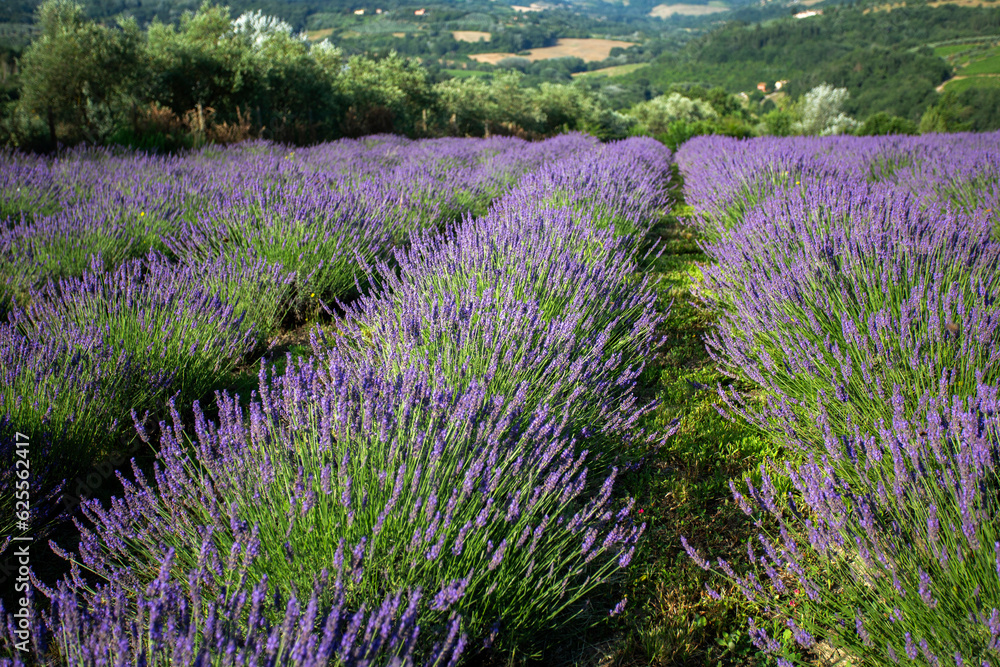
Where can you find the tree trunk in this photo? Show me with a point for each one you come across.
(52, 128)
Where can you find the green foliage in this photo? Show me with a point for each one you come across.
(384, 94)
(474, 107)
(876, 56)
(883, 123)
(779, 122)
(679, 131)
(504, 105)
(881, 79)
(948, 115)
(656, 115)
(78, 75)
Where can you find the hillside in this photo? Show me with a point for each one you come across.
(886, 59)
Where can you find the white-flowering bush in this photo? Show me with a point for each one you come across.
(657, 113)
(260, 28)
(822, 112)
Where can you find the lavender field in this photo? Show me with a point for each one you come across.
(469, 401)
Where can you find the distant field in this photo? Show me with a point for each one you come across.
(317, 35)
(989, 65)
(665, 11)
(942, 51)
(617, 70)
(981, 68)
(470, 35)
(465, 73)
(884, 8)
(965, 3)
(960, 83)
(590, 50)
(937, 3)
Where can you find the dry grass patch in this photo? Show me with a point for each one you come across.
(666, 11)
(317, 35)
(470, 35)
(937, 3)
(965, 3)
(590, 50)
(617, 70)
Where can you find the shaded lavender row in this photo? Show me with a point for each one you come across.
(446, 465)
(624, 185)
(88, 350)
(855, 281)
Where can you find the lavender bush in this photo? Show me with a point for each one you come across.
(219, 615)
(861, 298)
(624, 185)
(903, 560)
(856, 298)
(429, 486)
(447, 489)
(89, 350)
(538, 304)
(171, 324)
(317, 233)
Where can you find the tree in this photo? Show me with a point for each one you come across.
(384, 95)
(477, 107)
(948, 115)
(565, 107)
(657, 114)
(822, 112)
(882, 123)
(78, 73)
(202, 63)
(779, 123)
(984, 104)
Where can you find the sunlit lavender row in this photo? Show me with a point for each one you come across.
(855, 282)
(438, 478)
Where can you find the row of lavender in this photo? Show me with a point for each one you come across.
(130, 279)
(856, 284)
(437, 478)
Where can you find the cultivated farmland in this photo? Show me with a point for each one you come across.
(384, 401)
(587, 49)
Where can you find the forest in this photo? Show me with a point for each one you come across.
(215, 75)
(882, 58)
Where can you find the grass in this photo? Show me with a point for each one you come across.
(317, 35)
(617, 70)
(959, 85)
(942, 51)
(466, 73)
(684, 490)
(988, 65)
